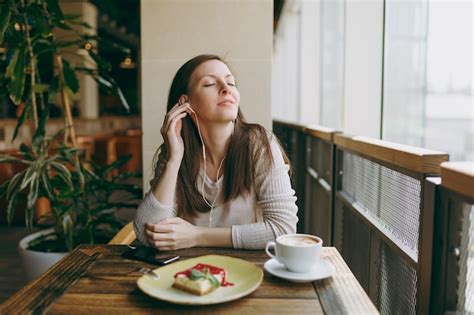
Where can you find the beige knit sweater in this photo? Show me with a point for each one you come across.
(261, 216)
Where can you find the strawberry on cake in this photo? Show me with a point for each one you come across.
(201, 279)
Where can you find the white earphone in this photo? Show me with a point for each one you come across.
(211, 205)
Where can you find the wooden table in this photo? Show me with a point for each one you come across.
(96, 279)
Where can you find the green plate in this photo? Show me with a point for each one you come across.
(245, 276)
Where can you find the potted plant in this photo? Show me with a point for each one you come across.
(82, 195)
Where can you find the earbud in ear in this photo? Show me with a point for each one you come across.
(182, 99)
(191, 109)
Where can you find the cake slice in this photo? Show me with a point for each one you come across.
(200, 279)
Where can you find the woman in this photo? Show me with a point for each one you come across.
(219, 181)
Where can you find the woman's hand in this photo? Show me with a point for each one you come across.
(171, 234)
(171, 132)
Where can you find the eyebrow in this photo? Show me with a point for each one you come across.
(211, 75)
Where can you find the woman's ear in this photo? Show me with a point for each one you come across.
(183, 99)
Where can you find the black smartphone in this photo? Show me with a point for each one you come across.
(149, 255)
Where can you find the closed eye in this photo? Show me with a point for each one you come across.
(209, 84)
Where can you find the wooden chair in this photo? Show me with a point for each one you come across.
(87, 144)
(130, 143)
(125, 236)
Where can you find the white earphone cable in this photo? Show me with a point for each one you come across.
(211, 205)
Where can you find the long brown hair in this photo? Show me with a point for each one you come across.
(241, 156)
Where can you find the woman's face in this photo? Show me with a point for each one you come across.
(212, 93)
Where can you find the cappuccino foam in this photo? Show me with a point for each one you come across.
(299, 241)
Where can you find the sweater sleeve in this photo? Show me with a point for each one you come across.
(277, 201)
(150, 209)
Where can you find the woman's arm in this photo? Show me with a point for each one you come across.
(165, 187)
(176, 233)
(275, 197)
(159, 202)
(277, 201)
(215, 237)
(151, 210)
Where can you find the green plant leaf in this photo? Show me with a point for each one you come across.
(20, 121)
(47, 186)
(123, 99)
(12, 38)
(40, 21)
(42, 44)
(101, 63)
(29, 214)
(86, 25)
(117, 164)
(16, 74)
(104, 82)
(68, 230)
(32, 194)
(5, 14)
(109, 83)
(80, 174)
(72, 17)
(14, 184)
(26, 152)
(3, 187)
(30, 175)
(54, 87)
(12, 159)
(41, 88)
(55, 9)
(12, 201)
(40, 132)
(70, 77)
(63, 173)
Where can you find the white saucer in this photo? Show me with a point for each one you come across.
(323, 269)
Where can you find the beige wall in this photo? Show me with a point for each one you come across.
(173, 31)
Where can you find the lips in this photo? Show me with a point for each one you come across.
(226, 102)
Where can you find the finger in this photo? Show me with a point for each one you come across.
(177, 112)
(171, 112)
(172, 126)
(158, 228)
(163, 244)
(167, 248)
(176, 108)
(166, 125)
(169, 220)
(151, 236)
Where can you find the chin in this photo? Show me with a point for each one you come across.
(228, 119)
(229, 115)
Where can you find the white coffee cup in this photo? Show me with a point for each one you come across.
(298, 252)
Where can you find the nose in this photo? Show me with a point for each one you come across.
(225, 88)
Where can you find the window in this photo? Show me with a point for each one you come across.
(286, 70)
(427, 91)
(332, 63)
